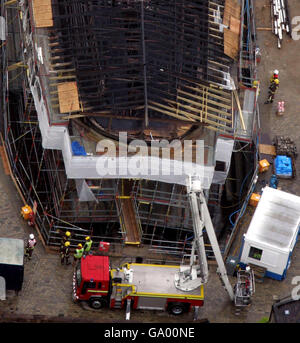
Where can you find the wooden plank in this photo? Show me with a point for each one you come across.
(207, 91)
(240, 110)
(232, 8)
(198, 110)
(197, 117)
(235, 25)
(170, 113)
(231, 19)
(200, 104)
(68, 97)
(264, 29)
(231, 43)
(130, 223)
(4, 161)
(267, 149)
(42, 13)
(217, 129)
(210, 93)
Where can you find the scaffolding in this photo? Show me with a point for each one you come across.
(249, 51)
(161, 211)
(125, 79)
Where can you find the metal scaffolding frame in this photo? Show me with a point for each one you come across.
(162, 209)
(112, 50)
(248, 46)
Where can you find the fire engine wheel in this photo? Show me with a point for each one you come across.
(97, 303)
(176, 309)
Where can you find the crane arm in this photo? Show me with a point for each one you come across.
(198, 237)
(215, 245)
(201, 219)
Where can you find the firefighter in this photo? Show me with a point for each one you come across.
(274, 76)
(87, 245)
(31, 243)
(78, 254)
(64, 238)
(65, 253)
(272, 90)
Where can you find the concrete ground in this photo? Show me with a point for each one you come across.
(47, 284)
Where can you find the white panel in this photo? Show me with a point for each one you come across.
(11, 251)
(223, 153)
(2, 288)
(2, 28)
(276, 220)
(78, 167)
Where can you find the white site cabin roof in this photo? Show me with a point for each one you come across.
(276, 220)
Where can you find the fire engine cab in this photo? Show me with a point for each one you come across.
(134, 285)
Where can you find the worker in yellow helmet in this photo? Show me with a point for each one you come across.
(274, 76)
(88, 245)
(272, 90)
(78, 253)
(65, 236)
(65, 253)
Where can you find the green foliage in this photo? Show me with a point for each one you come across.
(264, 320)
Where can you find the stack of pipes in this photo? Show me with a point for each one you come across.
(280, 19)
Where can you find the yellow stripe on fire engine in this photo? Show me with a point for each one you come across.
(150, 265)
(125, 285)
(146, 265)
(93, 291)
(177, 296)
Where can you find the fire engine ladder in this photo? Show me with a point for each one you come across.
(120, 292)
(188, 279)
(129, 221)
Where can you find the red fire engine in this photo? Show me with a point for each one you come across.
(150, 286)
(134, 285)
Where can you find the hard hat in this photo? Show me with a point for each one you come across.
(276, 81)
(67, 244)
(31, 236)
(87, 238)
(276, 72)
(68, 234)
(79, 245)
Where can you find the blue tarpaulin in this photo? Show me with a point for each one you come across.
(78, 150)
(283, 166)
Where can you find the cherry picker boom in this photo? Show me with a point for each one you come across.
(193, 276)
